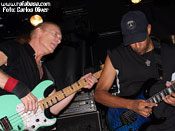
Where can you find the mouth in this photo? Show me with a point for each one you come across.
(139, 52)
(54, 45)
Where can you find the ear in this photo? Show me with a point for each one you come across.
(38, 31)
(149, 29)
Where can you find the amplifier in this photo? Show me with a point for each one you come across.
(79, 107)
(81, 122)
(82, 102)
(84, 94)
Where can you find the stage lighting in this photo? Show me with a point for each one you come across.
(135, 1)
(35, 20)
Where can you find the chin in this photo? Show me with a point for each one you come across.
(51, 51)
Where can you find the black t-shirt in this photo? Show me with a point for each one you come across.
(21, 65)
(133, 73)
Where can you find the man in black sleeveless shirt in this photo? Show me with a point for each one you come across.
(139, 63)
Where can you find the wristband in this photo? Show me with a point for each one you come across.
(16, 87)
(10, 84)
(48, 114)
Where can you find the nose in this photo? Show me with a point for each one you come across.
(58, 40)
(137, 45)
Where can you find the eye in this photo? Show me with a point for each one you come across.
(55, 34)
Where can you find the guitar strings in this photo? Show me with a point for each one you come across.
(23, 116)
(15, 117)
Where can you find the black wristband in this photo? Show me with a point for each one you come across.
(20, 90)
(48, 114)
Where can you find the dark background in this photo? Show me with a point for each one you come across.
(89, 28)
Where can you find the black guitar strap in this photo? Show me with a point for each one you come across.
(158, 60)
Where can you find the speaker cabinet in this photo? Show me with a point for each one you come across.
(81, 122)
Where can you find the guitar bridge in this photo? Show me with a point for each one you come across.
(128, 117)
(5, 123)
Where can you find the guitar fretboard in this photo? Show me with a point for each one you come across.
(165, 92)
(67, 91)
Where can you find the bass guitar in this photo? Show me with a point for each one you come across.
(13, 117)
(127, 120)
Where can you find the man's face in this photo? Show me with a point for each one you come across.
(141, 47)
(50, 38)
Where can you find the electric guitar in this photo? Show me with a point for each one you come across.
(13, 117)
(126, 120)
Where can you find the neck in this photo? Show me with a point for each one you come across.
(36, 48)
(150, 45)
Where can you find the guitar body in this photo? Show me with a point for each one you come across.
(125, 120)
(13, 117)
(12, 112)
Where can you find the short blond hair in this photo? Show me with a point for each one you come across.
(43, 26)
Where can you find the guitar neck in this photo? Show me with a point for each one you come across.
(157, 98)
(67, 91)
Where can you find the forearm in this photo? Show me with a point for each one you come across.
(109, 100)
(61, 105)
(3, 79)
(13, 86)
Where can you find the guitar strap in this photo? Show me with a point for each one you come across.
(50, 77)
(158, 60)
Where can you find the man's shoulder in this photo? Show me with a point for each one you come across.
(10, 47)
(119, 48)
(119, 52)
(10, 43)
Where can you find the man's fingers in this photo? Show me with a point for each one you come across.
(168, 83)
(145, 113)
(91, 80)
(26, 107)
(150, 105)
(30, 103)
(173, 95)
(85, 76)
(25, 102)
(36, 107)
(170, 99)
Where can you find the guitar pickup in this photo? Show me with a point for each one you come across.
(5, 123)
(128, 117)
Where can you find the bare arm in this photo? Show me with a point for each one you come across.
(30, 101)
(104, 97)
(101, 91)
(4, 77)
(62, 104)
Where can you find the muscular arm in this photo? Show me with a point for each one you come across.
(104, 97)
(101, 91)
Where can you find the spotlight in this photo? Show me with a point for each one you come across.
(173, 39)
(1, 25)
(135, 1)
(35, 20)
